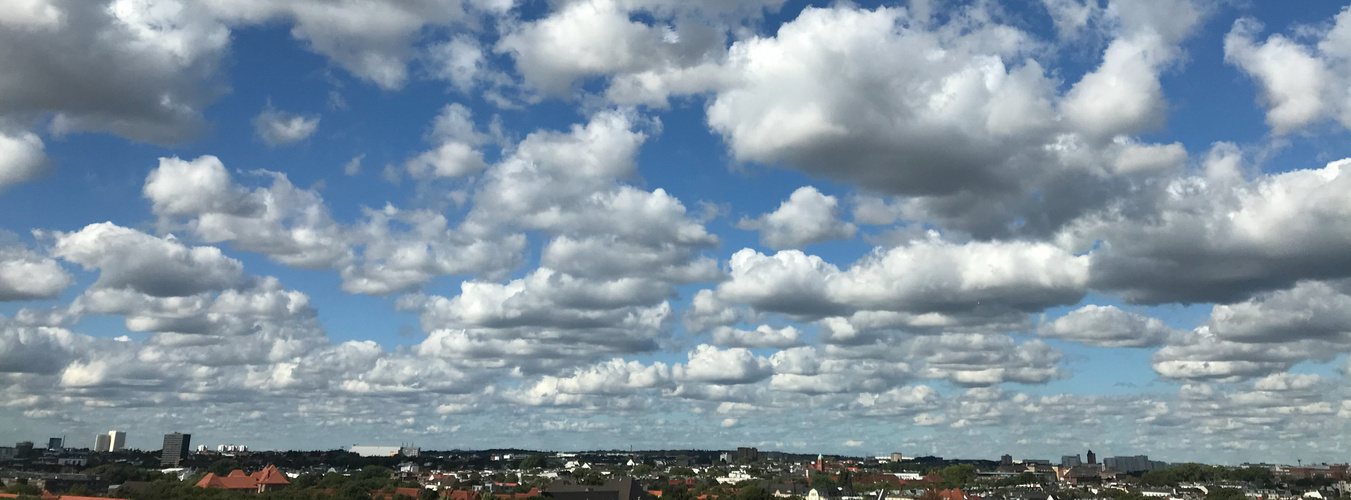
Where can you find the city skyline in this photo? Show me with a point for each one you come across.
(957, 228)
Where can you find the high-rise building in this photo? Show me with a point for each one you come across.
(102, 443)
(1138, 463)
(1092, 459)
(56, 444)
(1070, 461)
(23, 449)
(1006, 460)
(175, 448)
(744, 454)
(119, 440)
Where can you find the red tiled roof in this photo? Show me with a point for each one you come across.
(461, 495)
(270, 475)
(954, 494)
(238, 480)
(534, 492)
(47, 495)
(230, 482)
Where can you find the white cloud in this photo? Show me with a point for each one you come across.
(282, 128)
(807, 217)
(141, 70)
(43, 350)
(762, 336)
(1299, 84)
(1215, 237)
(25, 275)
(1310, 310)
(353, 166)
(925, 276)
(21, 158)
(159, 267)
(709, 365)
(454, 153)
(372, 40)
(586, 38)
(1107, 326)
(180, 187)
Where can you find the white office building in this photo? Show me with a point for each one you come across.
(118, 440)
(102, 443)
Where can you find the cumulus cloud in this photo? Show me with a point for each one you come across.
(283, 128)
(960, 116)
(41, 350)
(159, 267)
(1214, 237)
(925, 276)
(807, 217)
(1263, 336)
(400, 250)
(144, 71)
(1107, 326)
(21, 158)
(588, 38)
(709, 365)
(454, 153)
(25, 275)
(762, 336)
(372, 40)
(1300, 84)
(610, 379)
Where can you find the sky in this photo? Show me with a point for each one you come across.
(931, 227)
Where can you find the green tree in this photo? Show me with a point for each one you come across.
(1226, 494)
(958, 476)
(23, 489)
(754, 492)
(642, 470)
(224, 466)
(532, 462)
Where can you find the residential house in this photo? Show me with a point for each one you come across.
(268, 479)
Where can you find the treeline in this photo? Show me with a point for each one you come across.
(1199, 473)
(370, 482)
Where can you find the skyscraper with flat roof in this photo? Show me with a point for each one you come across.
(175, 448)
(119, 440)
(102, 443)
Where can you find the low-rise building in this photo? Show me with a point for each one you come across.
(268, 479)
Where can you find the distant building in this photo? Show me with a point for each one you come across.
(1092, 459)
(747, 454)
(1070, 461)
(103, 443)
(385, 451)
(23, 448)
(1006, 460)
(1333, 472)
(55, 444)
(268, 479)
(119, 441)
(897, 457)
(176, 448)
(1138, 463)
(615, 489)
(8, 453)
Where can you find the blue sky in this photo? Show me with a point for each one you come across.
(961, 228)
